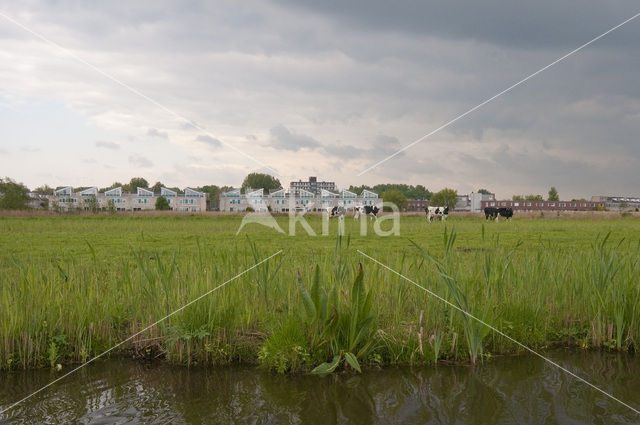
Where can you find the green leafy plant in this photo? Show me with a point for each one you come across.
(344, 327)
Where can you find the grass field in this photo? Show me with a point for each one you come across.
(73, 286)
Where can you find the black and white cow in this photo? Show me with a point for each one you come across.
(490, 212)
(368, 210)
(494, 213)
(337, 211)
(434, 213)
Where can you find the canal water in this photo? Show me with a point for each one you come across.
(511, 390)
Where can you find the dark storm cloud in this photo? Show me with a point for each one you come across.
(528, 24)
(285, 139)
(346, 74)
(380, 146)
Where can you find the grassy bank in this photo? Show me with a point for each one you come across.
(72, 287)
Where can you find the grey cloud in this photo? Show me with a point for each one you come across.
(524, 24)
(107, 145)
(348, 72)
(343, 150)
(283, 138)
(154, 132)
(378, 148)
(211, 141)
(140, 161)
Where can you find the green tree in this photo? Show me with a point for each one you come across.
(517, 198)
(446, 197)
(211, 189)
(13, 196)
(111, 206)
(162, 204)
(137, 182)
(214, 194)
(534, 198)
(44, 190)
(395, 197)
(553, 194)
(409, 191)
(484, 191)
(260, 181)
(156, 187)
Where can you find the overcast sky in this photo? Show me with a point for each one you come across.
(322, 88)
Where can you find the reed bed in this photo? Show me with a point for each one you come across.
(72, 287)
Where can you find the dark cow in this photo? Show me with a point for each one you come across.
(494, 213)
(507, 213)
(490, 212)
(436, 212)
(368, 210)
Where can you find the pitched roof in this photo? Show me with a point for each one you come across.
(167, 192)
(193, 193)
(64, 191)
(116, 191)
(88, 192)
(144, 192)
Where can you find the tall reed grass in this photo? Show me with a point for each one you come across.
(71, 287)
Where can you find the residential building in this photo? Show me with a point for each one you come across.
(473, 201)
(543, 205)
(65, 199)
(313, 186)
(617, 202)
(283, 200)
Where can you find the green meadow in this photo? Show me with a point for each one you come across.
(73, 286)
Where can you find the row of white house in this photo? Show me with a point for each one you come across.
(285, 200)
(144, 199)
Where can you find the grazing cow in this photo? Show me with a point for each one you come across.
(507, 213)
(337, 211)
(368, 210)
(434, 213)
(494, 213)
(490, 212)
